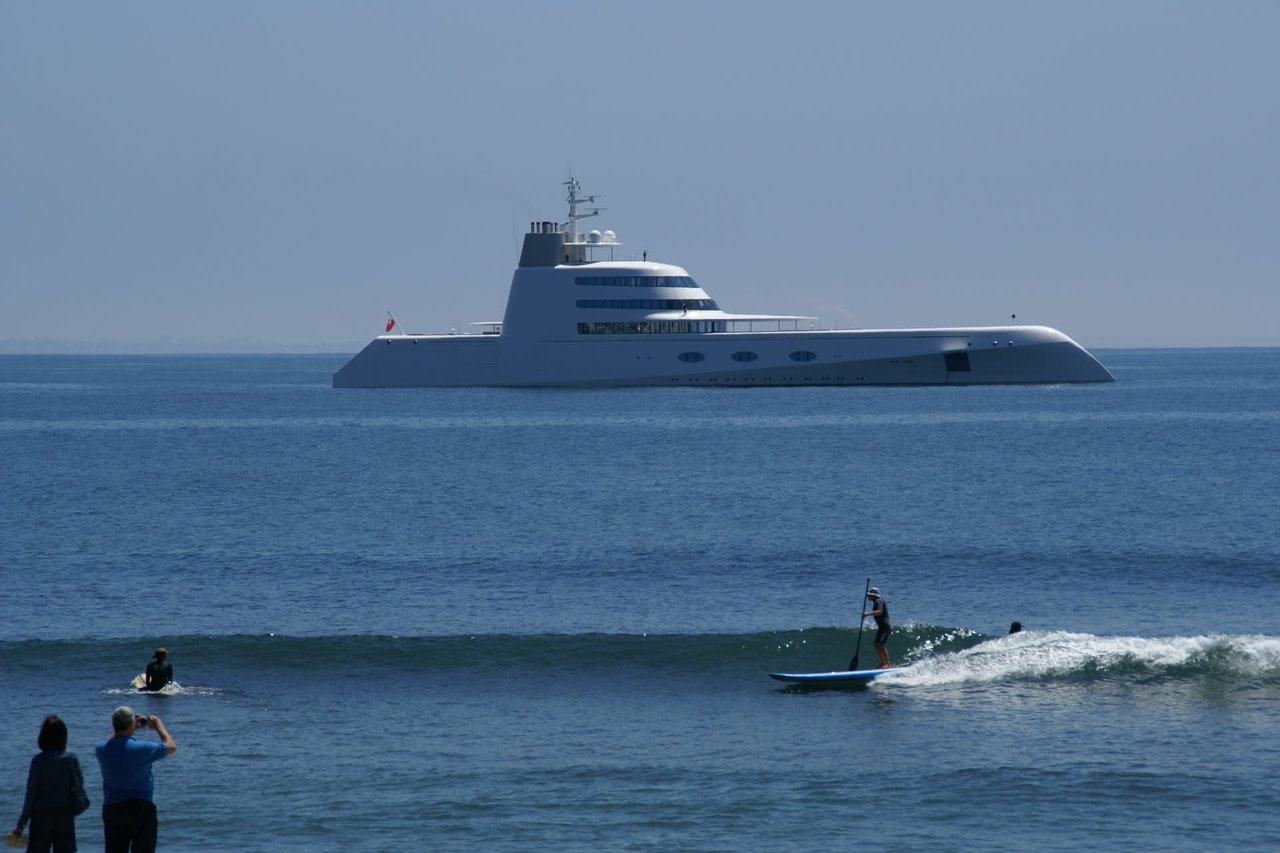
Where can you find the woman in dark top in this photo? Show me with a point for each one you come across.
(49, 805)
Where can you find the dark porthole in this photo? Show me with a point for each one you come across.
(744, 356)
(803, 355)
(691, 356)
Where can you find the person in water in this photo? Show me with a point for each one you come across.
(880, 611)
(1015, 627)
(159, 671)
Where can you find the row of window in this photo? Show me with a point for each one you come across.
(636, 281)
(957, 362)
(667, 304)
(653, 327)
(798, 355)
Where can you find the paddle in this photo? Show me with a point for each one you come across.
(853, 664)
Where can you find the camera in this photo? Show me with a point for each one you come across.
(140, 720)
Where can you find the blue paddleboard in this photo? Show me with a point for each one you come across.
(854, 675)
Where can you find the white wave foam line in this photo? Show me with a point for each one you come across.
(1033, 655)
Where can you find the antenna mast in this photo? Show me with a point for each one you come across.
(571, 227)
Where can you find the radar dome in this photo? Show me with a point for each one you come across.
(610, 237)
(593, 236)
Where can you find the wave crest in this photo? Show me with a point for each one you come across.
(1050, 656)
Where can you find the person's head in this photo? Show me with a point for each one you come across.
(874, 592)
(122, 720)
(162, 653)
(1015, 627)
(53, 734)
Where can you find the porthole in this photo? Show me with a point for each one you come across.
(803, 355)
(744, 356)
(691, 356)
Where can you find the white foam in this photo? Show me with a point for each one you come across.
(173, 688)
(1041, 655)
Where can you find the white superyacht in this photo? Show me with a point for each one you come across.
(576, 317)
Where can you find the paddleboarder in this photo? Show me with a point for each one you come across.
(881, 614)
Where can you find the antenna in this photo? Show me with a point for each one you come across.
(574, 199)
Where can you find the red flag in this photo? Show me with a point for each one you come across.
(391, 322)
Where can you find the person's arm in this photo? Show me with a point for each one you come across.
(879, 609)
(76, 772)
(29, 801)
(158, 724)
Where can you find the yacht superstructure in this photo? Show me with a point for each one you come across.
(575, 320)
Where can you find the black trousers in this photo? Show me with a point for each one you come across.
(130, 827)
(52, 830)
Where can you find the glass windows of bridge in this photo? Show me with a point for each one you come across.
(653, 327)
(635, 281)
(652, 304)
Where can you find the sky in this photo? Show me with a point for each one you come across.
(273, 177)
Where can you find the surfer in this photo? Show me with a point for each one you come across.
(881, 614)
(1015, 627)
(159, 671)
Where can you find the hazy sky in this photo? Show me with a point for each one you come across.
(276, 175)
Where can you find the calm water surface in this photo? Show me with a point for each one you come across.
(521, 619)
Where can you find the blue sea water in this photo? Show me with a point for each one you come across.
(496, 619)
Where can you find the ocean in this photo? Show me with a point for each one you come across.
(491, 619)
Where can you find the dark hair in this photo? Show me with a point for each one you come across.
(53, 734)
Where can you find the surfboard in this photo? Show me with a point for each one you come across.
(139, 681)
(850, 676)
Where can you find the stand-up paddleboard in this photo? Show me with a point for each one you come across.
(852, 676)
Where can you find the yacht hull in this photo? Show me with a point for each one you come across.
(979, 356)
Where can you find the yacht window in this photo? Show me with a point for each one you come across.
(635, 281)
(653, 327)
(652, 304)
(957, 362)
(803, 355)
(744, 356)
(691, 356)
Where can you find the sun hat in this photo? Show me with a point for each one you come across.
(875, 590)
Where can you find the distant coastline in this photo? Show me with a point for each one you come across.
(55, 346)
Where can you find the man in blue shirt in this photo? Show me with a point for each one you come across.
(128, 813)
